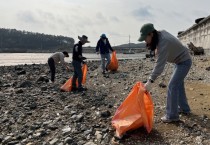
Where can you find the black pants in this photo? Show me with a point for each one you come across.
(51, 64)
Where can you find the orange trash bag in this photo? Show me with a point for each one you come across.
(134, 112)
(113, 66)
(68, 85)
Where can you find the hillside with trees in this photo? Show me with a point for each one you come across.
(12, 40)
(133, 45)
(16, 41)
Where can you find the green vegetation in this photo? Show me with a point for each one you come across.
(12, 40)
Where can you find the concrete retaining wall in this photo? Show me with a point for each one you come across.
(198, 34)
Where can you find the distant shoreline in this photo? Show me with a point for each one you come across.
(85, 50)
(13, 59)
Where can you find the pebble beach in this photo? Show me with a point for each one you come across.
(36, 112)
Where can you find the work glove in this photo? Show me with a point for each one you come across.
(148, 85)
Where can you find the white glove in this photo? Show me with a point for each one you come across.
(148, 85)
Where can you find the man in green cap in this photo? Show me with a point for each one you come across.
(168, 49)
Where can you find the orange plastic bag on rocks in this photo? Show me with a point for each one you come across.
(134, 112)
(68, 85)
(113, 66)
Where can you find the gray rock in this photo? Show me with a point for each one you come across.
(52, 127)
(90, 143)
(44, 88)
(7, 139)
(198, 140)
(42, 79)
(54, 141)
(208, 68)
(25, 84)
(40, 133)
(66, 130)
(19, 91)
(105, 114)
(68, 140)
(1, 138)
(21, 72)
(13, 142)
(98, 135)
(33, 105)
(46, 123)
(77, 118)
(86, 132)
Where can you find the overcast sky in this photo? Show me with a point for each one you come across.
(116, 18)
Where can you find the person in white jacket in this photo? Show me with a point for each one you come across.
(57, 58)
(169, 49)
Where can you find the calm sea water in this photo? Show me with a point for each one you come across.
(7, 59)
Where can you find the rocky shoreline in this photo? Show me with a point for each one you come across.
(33, 111)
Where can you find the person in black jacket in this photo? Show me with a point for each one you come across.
(104, 46)
(77, 59)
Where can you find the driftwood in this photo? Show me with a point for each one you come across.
(195, 50)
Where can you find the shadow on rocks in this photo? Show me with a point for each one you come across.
(195, 122)
(141, 137)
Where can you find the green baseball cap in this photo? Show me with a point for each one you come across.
(145, 30)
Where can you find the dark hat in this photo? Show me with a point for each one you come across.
(145, 30)
(103, 35)
(84, 39)
(66, 53)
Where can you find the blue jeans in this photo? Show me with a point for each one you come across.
(103, 61)
(176, 97)
(77, 74)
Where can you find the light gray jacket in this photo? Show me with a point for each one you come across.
(58, 57)
(169, 49)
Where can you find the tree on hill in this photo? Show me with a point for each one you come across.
(15, 39)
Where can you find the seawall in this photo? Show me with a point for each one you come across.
(198, 34)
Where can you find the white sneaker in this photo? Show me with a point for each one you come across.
(167, 120)
(51, 82)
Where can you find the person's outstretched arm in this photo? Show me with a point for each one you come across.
(63, 62)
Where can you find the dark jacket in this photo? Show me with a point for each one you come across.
(77, 51)
(104, 48)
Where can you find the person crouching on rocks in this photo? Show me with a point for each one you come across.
(169, 49)
(57, 58)
(104, 46)
(77, 59)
